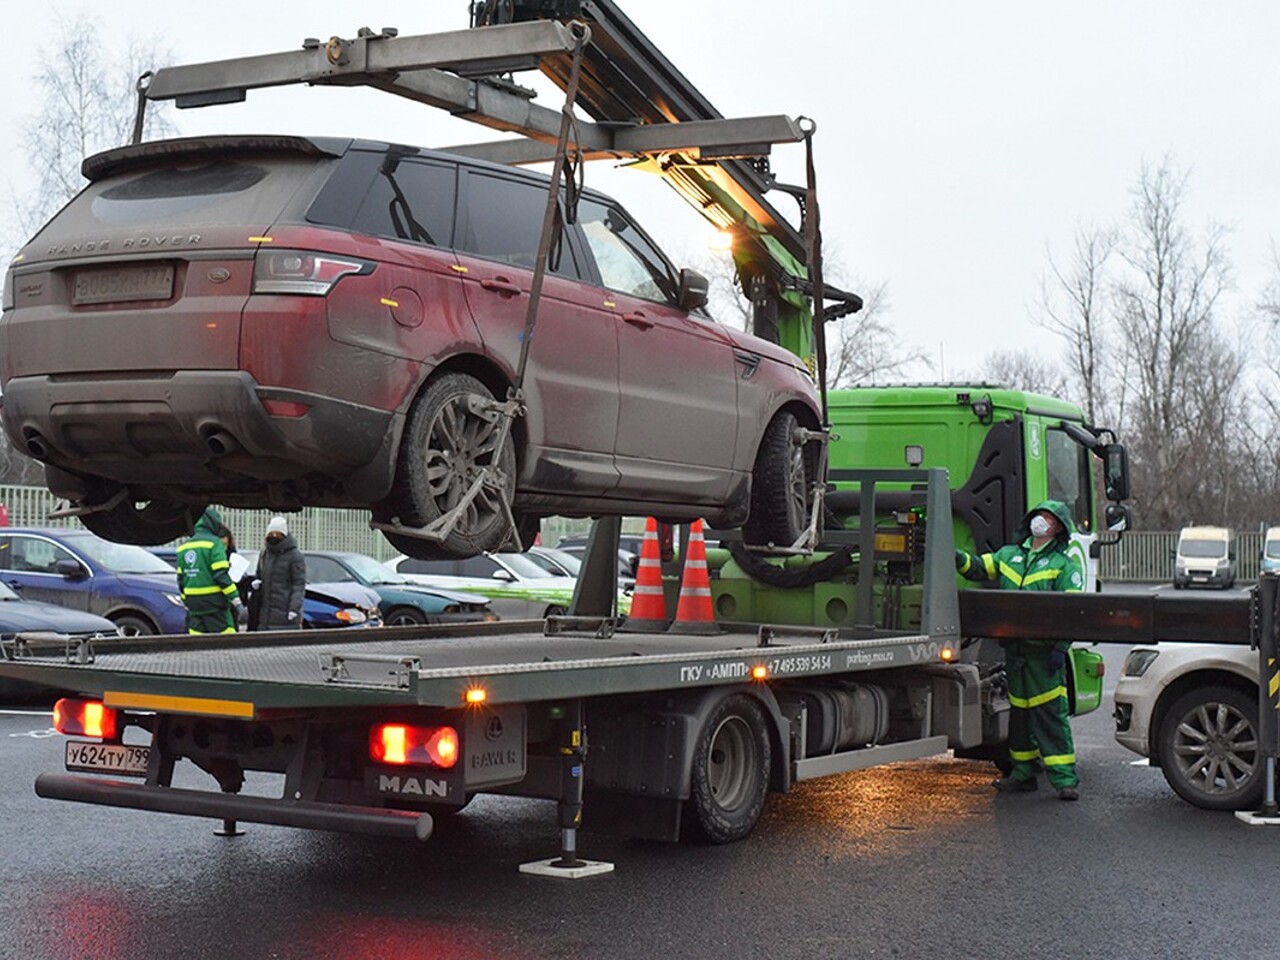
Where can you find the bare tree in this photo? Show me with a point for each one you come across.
(87, 100)
(862, 347)
(1025, 370)
(1185, 376)
(1073, 306)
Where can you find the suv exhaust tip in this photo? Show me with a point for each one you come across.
(219, 442)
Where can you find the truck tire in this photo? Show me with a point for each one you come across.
(730, 775)
(1209, 750)
(445, 445)
(147, 523)
(779, 486)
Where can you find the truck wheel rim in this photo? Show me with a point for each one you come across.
(729, 773)
(1215, 748)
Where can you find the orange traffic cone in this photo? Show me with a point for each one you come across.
(694, 613)
(648, 601)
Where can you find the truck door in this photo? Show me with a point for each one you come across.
(1068, 478)
(572, 381)
(677, 425)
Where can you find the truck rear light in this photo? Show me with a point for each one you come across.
(400, 743)
(297, 271)
(88, 718)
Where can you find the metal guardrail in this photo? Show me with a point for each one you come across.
(1141, 556)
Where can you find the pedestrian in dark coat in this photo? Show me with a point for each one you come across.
(282, 573)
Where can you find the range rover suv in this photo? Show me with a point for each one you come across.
(278, 322)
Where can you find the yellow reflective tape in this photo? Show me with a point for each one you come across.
(1040, 575)
(1040, 699)
(989, 562)
(220, 565)
(197, 545)
(200, 706)
(230, 590)
(200, 591)
(1024, 754)
(964, 567)
(1013, 576)
(1059, 759)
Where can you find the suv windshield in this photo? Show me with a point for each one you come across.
(118, 557)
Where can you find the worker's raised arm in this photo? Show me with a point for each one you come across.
(976, 566)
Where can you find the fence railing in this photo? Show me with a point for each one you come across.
(1142, 556)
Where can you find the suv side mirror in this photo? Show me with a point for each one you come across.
(1119, 517)
(1115, 471)
(72, 569)
(693, 289)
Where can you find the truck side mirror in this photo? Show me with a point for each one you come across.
(1115, 471)
(693, 289)
(1118, 517)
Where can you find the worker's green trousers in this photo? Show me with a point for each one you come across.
(1039, 731)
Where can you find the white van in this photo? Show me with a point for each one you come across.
(1271, 549)
(1205, 555)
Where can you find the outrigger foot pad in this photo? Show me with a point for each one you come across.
(579, 869)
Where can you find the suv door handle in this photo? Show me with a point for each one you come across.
(500, 285)
(637, 320)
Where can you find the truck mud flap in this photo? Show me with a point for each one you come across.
(307, 815)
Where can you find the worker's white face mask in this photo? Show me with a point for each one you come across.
(1039, 525)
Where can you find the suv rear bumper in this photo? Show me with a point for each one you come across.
(207, 428)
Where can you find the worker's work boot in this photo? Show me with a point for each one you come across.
(1068, 793)
(1015, 785)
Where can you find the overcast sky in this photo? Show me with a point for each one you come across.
(956, 141)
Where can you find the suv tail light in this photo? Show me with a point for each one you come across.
(297, 271)
(399, 743)
(88, 718)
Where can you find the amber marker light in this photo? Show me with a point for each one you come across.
(947, 654)
(760, 672)
(476, 695)
(261, 240)
(388, 302)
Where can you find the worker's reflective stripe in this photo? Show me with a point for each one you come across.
(1059, 759)
(200, 591)
(1011, 574)
(220, 565)
(964, 567)
(196, 545)
(1040, 575)
(1024, 755)
(989, 562)
(1039, 700)
(229, 590)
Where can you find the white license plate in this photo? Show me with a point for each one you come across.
(108, 757)
(121, 284)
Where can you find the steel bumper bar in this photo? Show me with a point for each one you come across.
(373, 821)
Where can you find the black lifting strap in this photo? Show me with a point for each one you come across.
(813, 245)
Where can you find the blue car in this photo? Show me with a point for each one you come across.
(131, 587)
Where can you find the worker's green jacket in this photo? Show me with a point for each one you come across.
(1018, 567)
(204, 573)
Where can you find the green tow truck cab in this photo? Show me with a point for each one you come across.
(1003, 450)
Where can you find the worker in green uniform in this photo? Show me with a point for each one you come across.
(204, 578)
(1039, 731)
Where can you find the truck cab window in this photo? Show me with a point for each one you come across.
(1067, 469)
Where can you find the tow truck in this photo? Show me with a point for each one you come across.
(663, 734)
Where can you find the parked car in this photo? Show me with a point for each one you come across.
(628, 554)
(245, 319)
(555, 562)
(128, 585)
(517, 587)
(400, 600)
(1271, 550)
(19, 615)
(1193, 710)
(326, 605)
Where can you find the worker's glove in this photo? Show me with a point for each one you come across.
(241, 612)
(1057, 660)
(960, 558)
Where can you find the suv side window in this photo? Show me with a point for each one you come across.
(325, 570)
(504, 222)
(392, 195)
(35, 555)
(627, 261)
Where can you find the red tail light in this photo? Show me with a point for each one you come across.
(401, 744)
(87, 718)
(297, 271)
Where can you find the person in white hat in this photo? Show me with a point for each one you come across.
(283, 575)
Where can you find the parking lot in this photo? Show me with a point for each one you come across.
(917, 859)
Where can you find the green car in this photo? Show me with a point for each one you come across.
(402, 602)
